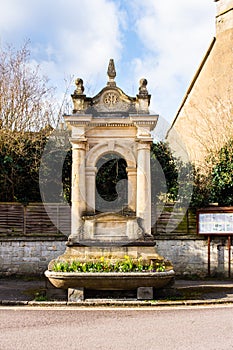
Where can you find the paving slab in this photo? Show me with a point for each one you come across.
(19, 291)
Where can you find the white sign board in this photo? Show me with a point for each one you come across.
(215, 223)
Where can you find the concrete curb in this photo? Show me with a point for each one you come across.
(117, 303)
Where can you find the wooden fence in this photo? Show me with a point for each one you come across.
(34, 219)
(174, 221)
(38, 219)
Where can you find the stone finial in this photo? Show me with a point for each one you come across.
(142, 87)
(78, 97)
(111, 72)
(79, 86)
(143, 97)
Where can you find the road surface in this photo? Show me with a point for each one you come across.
(184, 328)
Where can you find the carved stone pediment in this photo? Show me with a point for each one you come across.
(111, 99)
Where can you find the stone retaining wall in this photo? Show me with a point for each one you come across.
(189, 255)
(28, 257)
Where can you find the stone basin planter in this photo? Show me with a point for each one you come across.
(110, 280)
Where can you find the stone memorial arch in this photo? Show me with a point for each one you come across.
(111, 123)
(111, 191)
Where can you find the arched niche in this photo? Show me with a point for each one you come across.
(111, 183)
(93, 158)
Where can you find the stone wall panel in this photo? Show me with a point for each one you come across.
(189, 256)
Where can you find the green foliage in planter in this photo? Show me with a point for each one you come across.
(107, 265)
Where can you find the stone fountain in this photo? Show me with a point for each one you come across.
(111, 189)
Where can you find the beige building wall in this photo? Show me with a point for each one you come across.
(205, 118)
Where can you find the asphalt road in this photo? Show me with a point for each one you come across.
(78, 328)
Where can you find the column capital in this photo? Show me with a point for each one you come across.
(144, 144)
(79, 144)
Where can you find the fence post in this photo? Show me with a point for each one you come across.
(24, 219)
(187, 221)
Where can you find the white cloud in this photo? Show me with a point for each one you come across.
(163, 41)
(94, 35)
(67, 36)
(12, 16)
(175, 36)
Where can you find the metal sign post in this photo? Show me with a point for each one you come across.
(216, 221)
(229, 256)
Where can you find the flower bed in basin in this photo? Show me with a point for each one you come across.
(109, 274)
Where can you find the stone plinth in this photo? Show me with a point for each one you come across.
(110, 227)
(85, 253)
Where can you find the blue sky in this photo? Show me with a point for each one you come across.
(161, 40)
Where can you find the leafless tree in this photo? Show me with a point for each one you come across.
(28, 112)
(214, 128)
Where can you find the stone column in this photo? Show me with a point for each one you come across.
(78, 197)
(144, 185)
(90, 188)
(132, 187)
